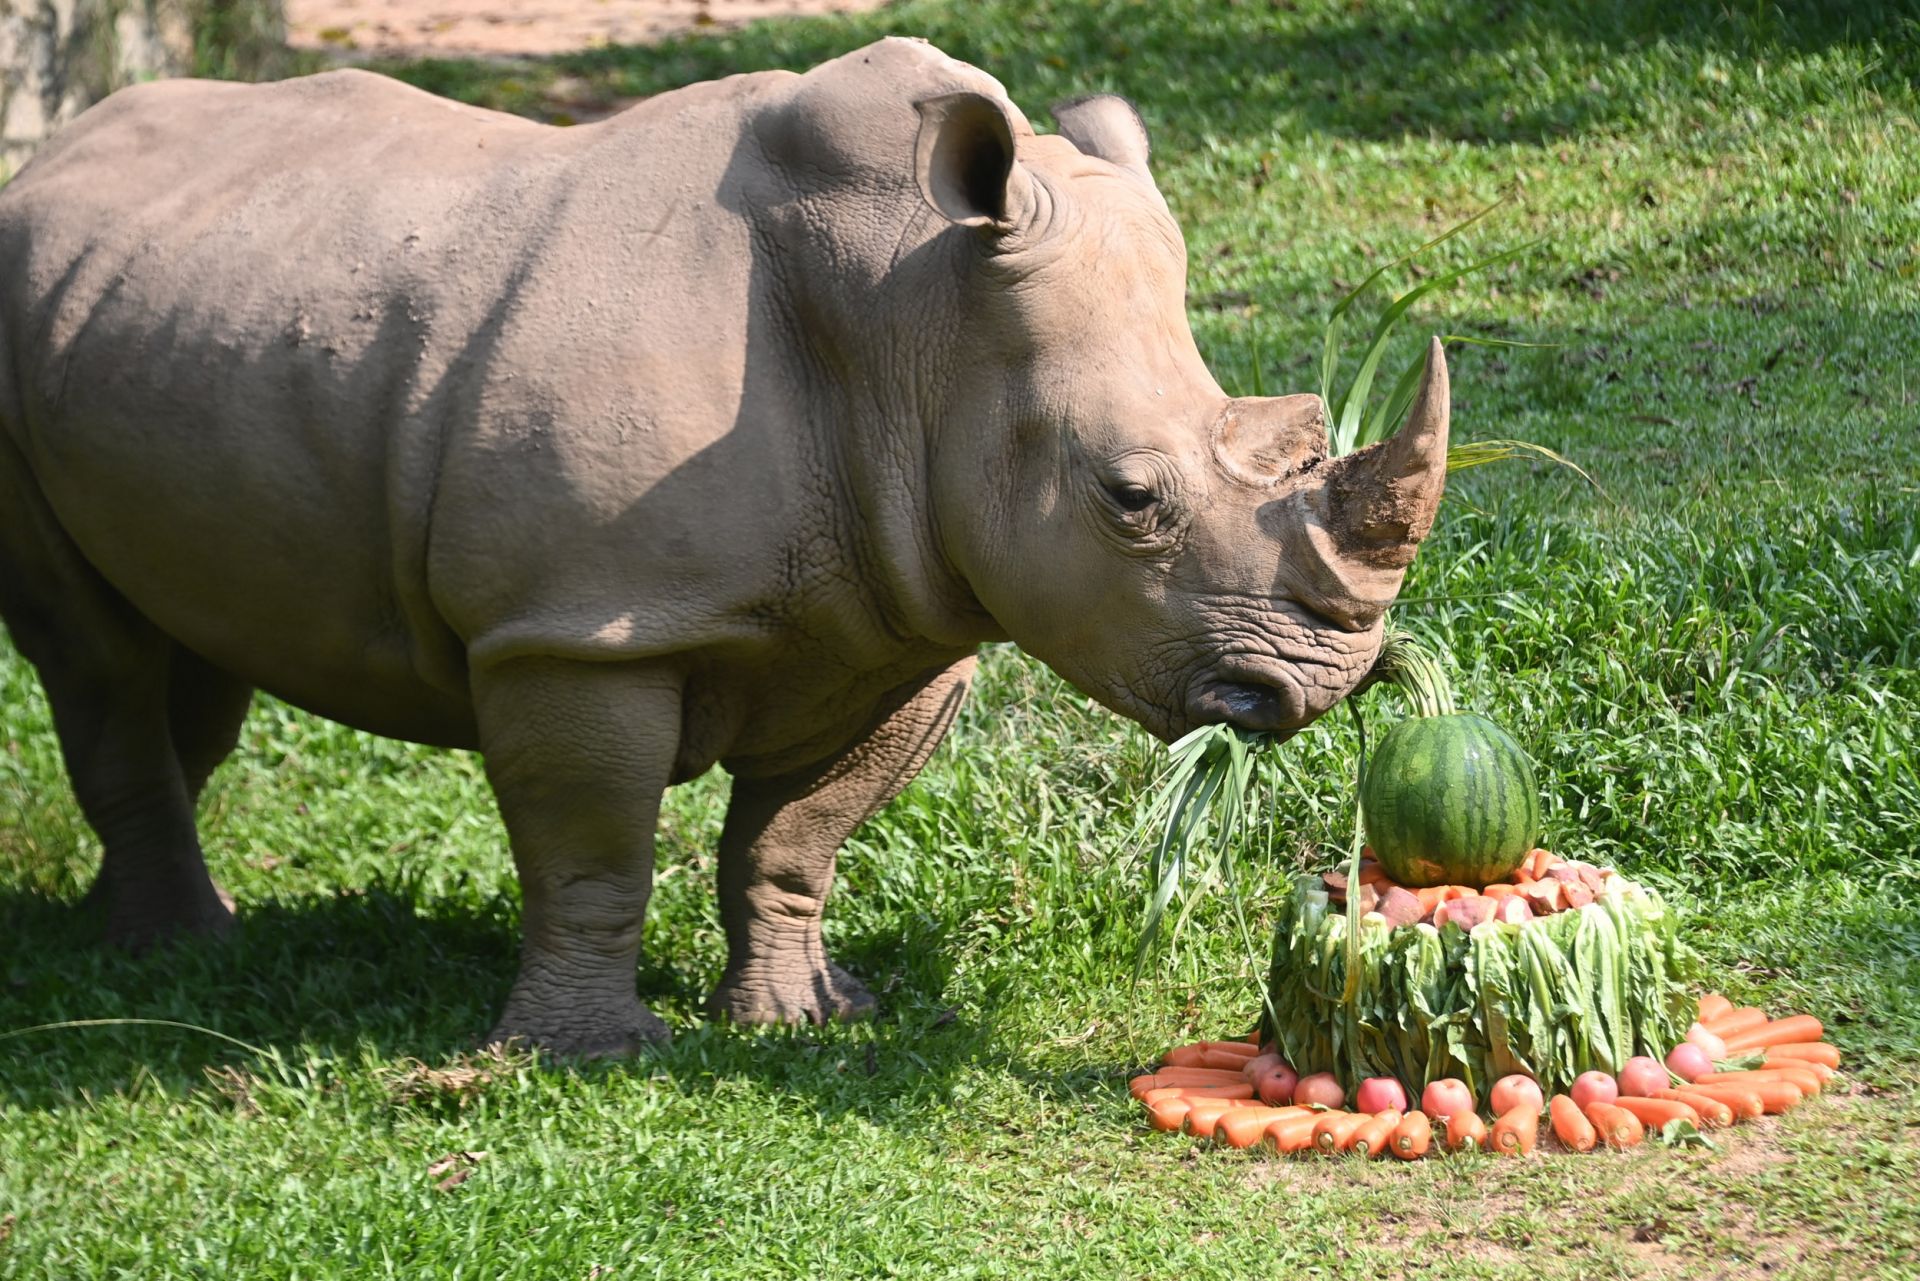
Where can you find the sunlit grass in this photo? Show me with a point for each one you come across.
(1714, 660)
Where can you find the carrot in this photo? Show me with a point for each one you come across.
(1497, 892)
(1802, 1079)
(1776, 1094)
(1412, 1137)
(1334, 1131)
(1569, 1126)
(1798, 1027)
(1168, 1114)
(1244, 1127)
(1736, 1020)
(1376, 1135)
(1745, 1103)
(1203, 1114)
(1293, 1133)
(1375, 876)
(1181, 1076)
(1806, 1052)
(1619, 1127)
(1655, 1113)
(1431, 896)
(1514, 1133)
(1712, 1006)
(1219, 1055)
(1714, 1113)
(1194, 1093)
(1466, 1132)
(1461, 891)
(1227, 1060)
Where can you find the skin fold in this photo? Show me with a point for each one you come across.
(721, 431)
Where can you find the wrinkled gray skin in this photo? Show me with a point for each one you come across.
(722, 431)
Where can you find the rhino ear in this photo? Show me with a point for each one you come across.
(963, 159)
(1107, 127)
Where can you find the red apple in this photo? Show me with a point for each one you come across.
(1449, 1096)
(1509, 1092)
(1321, 1089)
(1380, 1094)
(1257, 1066)
(1593, 1087)
(1642, 1077)
(1688, 1061)
(1275, 1086)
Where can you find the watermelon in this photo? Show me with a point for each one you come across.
(1450, 800)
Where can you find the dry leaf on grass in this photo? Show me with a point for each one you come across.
(236, 1086)
(461, 1079)
(458, 1167)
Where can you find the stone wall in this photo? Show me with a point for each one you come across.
(58, 57)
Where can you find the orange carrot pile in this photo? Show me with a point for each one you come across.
(1212, 1090)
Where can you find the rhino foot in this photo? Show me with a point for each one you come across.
(138, 926)
(819, 992)
(574, 1034)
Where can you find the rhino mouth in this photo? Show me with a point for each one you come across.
(1249, 698)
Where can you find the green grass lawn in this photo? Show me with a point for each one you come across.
(1716, 662)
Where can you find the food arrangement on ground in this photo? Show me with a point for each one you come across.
(1560, 969)
(1246, 1094)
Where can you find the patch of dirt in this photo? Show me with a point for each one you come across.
(357, 30)
(1650, 1213)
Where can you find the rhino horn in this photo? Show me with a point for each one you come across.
(1383, 498)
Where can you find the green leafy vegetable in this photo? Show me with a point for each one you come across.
(1554, 997)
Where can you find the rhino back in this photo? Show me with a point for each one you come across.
(262, 331)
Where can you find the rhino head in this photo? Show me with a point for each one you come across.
(1184, 556)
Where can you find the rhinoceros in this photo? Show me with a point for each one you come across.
(724, 431)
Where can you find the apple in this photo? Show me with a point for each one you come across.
(1275, 1086)
(1593, 1087)
(1449, 1096)
(1642, 1077)
(1320, 1089)
(1380, 1094)
(1688, 1061)
(1509, 1092)
(1715, 1047)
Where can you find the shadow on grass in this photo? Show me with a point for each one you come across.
(1499, 72)
(386, 975)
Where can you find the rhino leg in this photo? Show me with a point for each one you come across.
(131, 709)
(205, 709)
(578, 755)
(777, 853)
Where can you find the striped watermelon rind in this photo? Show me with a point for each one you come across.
(1450, 800)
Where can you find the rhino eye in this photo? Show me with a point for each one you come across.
(1131, 497)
